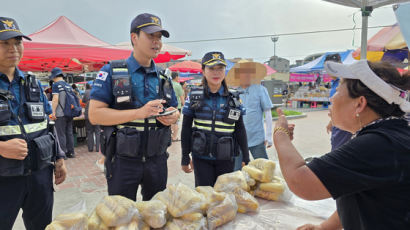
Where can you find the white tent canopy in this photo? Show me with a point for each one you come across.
(359, 3)
(367, 7)
(317, 64)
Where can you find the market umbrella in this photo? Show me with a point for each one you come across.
(387, 44)
(366, 7)
(167, 53)
(184, 79)
(187, 66)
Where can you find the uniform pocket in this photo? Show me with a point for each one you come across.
(224, 148)
(158, 141)
(11, 167)
(199, 143)
(44, 150)
(128, 143)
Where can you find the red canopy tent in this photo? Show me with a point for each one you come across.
(64, 44)
(187, 67)
(269, 70)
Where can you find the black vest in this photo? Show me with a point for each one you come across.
(143, 138)
(213, 130)
(41, 145)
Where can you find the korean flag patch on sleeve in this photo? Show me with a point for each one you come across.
(102, 76)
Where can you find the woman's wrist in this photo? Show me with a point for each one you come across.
(281, 131)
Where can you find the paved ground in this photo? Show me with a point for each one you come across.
(86, 183)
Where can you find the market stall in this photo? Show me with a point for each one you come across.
(312, 78)
(255, 198)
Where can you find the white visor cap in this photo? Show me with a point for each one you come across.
(360, 70)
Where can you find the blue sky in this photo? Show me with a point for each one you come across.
(197, 20)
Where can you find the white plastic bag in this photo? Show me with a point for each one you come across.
(181, 200)
(117, 210)
(153, 212)
(222, 213)
(229, 181)
(75, 218)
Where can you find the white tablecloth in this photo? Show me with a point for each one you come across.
(283, 215)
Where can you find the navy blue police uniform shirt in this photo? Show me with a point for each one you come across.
(369, 177)
(17, 102)
(145, 84)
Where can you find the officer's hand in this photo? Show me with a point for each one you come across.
(188, 168)
(170, 119)
(14, 149)
(53, 116)
(152, 108)
(60, 171)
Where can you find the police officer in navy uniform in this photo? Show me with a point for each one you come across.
(212, 129)
(27, 149)
(126, 99)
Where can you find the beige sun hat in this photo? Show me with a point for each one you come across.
(257, 70)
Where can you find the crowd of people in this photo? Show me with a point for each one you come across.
(132, 111)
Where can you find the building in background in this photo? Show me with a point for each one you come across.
(279, 64)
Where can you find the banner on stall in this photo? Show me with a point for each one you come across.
(308, 77)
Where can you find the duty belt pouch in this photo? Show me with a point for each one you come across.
(35, 111)
(107, 142)
(158, 141)
(44, 150)
(199, 144)
(128, 143)
(5, 113)
(224, 148)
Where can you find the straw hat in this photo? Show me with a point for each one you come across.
(257, 70)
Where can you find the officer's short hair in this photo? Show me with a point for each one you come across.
(174, 75)
(137, 31)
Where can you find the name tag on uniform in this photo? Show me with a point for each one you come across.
(123, 99)
(35, 110)
(234, 114)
